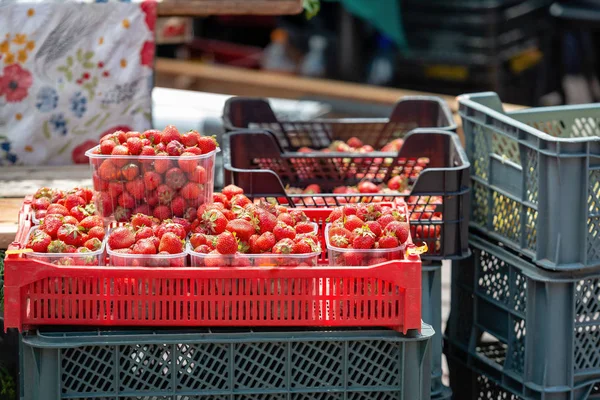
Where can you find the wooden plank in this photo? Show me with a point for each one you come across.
(228, 7)
(9, 214)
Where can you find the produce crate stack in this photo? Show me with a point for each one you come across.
(465, 45)
(524, 320)
(151, 286)
(299, 163)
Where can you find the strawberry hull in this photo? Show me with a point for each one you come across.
(167, 185)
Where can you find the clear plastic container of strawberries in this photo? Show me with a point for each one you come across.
(160, 173)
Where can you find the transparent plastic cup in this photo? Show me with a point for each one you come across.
(93, 258)
(162, 186)
(116, 259)
(342, 257)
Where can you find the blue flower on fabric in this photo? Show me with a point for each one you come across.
(101, 1)
(47, 99)
(58, 124)
(7, 157)
(78, 104)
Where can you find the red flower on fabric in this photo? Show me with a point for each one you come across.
(78, 154)
(15, 83)
(147, 53)
(149, 9)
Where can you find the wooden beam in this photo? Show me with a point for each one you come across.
(199, 8)
(9, 215)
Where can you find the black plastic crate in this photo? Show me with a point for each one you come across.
(438, 199)
(409, 113)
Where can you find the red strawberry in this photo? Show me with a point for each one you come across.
(400, 229)
(171, 243)
(190, 214)
(286, 218)
(39, 241)
(39, 214)
(191, 191)
(152, 200)
(282, 231)
(51, 224)
(121, 237)
(240, 200)
(122, 214)
(368, 187)
(162, 164)
(134, 144)
(154, 135)
(138, 220)
(266, 221)
(354, 142)
(352, 222)
(144, 246)
(115, 189)
(197, 239)
(284, 246)
(78, 212)
(204, 249)
(120, 150)
(226, 243)
(298, 215)
(198, 175)
(175, 178)
(72, 200)
(170, 133)
(352, 259)
(306, 246)
(214, 221)
(232, 190)
(194, 150)
(397, 183)
(374, 227)
(165, 194)
(96, 232)
(190, 138)
(126, 200)
(173, 228)
(93, 244)
(40, 204)
(340, 237)
(57, 246)
(143, 232)
(152, 180)
(388, 241)
(312, 189)
(242, 228)
(187, 162)
(363, 238)
(377, 260)
(178, 206)
(385, 219)
(304, 227)
(107, 146)
(207, 144)
(69, 219)
(369, 212)
(147, 151)
(175, 148)
(70, 234)
(130, 171)
(136, 188)
(109, 171)
(89, 222)
(57, 209)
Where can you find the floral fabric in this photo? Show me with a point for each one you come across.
(69, 73)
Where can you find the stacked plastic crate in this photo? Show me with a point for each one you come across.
(262, 157)
(525, 313)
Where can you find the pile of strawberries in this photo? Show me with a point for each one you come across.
(160, 173)
(366, 227)
(233, 227)
(77, 202)
(355, 145)
(146, 235)
(63, 233)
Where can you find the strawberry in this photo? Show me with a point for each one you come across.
(93, 244)
(282, 231)
(312, 189)
(207, 144)
(72, 200)
(266, 221)
(221, 198)
(242, 228)
(115, 189)
(385, 219)
(387, 241)
(69, 219)
(377, 260)
(121, 237)
(40, 214)
(298, 215)
(340, 237)
(354, 142)
(352, 222)
(369, 212)
(70, 234)
(239, 200)
(204, 249)
(172, 227)
(187, 162)
(165, 194)
(152, 200)
(397, 183)
(198, 175)
(92, 221)
(79, 213)
(39, 241)
(57, 209)
(134, 144)
(286, 218)
(226, 243)
(197, 239)
(57, 246)
(154, 135)
(191, 191)
(107, 146)
(305, 150)
(352, 259)
(96, 232)
(190, 213)
(143, 232)
(306, 246)
(214, 221)
(178, 206)
(109, 171)
(194, 150)
(171, 243)
(51, 223)
(152, 180)
(175, 178)
(120, 151)
(169, 134)
(136, 188)
(190, 138)
(231, 190)
(175, 148)
(41, 203)
(122, 214)
(304, 227)
(283, 246)
(130, 171)
(162, 164)
(374, 227)
(147, 151)
(144, 246)
(400, 229)
(126, 200)
(139, 220)
(364, 238)
(367, 187)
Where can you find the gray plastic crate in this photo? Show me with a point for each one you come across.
(536, 179)
(215, 365)
(532, 330)
(431, 313)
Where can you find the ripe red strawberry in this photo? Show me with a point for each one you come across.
(284, 246)
(93, 244)
(266, 221)
(172, 227)
(170, 133)
(175, 148)
(57, 209)
(126, 200)
(152, 200)
(130, 171)
(197, 239)
(354, 142)
(400, 229)
(190, 214)
(221, 198)
(51, 224)
(109, 171)
(240, 200)
(367, 187)
(72, 200)
(78, 212)
(70, 234)
(214, 221)
(352, 259)
(165, 194)
(388, 241)
(226, 243)
(171, 243)
(107, 146)
(134, 144)
(282, 231)
(162, 164)
(144, 232)
(198, 175)
(298, 215)
(154, 135)
(340, 237)
(207, 144)
(120, 150)
(304, 227)
(374, 227)
(397, 183)
(121, 237)
(306, 246)
(122, 214)
(96, 232)
(175, 178)
(57, 246)
(377, 260)
(369, 212)
(115, 189)
(136, 188)
(363, 238)
(312, 189)
(39, 241)
(385, 219)
(286, 218)
(39, 214)
(69, 219)
(89, 222)
(352, 222)
(152, 180)
(139, 220)
(190, 138)
(242, 228)
(187, 162)
(40, 204)
(204, 249)
(144, 246)
(191, 191)
(231, 190)
(178, 206)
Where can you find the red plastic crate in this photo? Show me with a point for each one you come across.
(38, 293)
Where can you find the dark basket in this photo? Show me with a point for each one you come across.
(438, 198)
(409, 113)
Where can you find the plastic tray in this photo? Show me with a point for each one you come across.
(337, 255)
(90, 259)
(116, 259)
(254, 161)
(223, 364)
(112, 203)
(409, 113)
(38, 293)
(255, 260)
(536, 179)
(530, 329)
